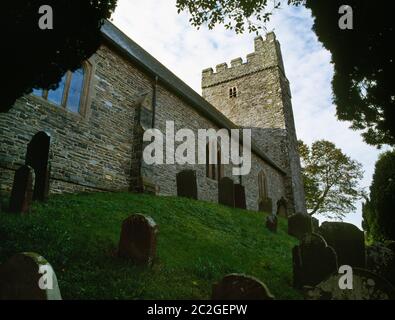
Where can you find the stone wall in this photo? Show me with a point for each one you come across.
(92, 152)
(102, 151)
(171, 108)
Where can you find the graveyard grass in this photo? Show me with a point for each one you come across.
(198, 244)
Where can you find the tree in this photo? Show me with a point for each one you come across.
(379, 212)
(363, 56)
(234, 14)
(330, 178)
(363, 60)
(33, 57)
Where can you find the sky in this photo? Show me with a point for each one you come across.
(186, 51)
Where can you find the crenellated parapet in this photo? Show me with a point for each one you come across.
(267, 54)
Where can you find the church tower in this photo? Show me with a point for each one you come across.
(256, 94)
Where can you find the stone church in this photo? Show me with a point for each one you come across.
(87, 135)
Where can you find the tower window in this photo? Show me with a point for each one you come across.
(233, 92)
(72, 92)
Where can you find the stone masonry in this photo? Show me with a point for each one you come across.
(263, 103)
(129, 92)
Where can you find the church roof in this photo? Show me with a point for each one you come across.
(156, 69)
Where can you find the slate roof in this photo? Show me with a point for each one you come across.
(154, 68)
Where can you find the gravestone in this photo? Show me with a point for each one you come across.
(366, 286)
(187, 184)
(348, 242)
(37, 156)
(22, 190)
(299, 225)
(240, 197)
(313, 261)
(240, 287)
(226, 192)
(282, 208)
(28, 276)
(266, 205)
(138, 239)
(271, 223)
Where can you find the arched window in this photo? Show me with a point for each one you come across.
(262, 182)
(233, 92)
(72, 92)
(214, 168)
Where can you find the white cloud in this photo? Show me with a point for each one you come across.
(156, 26)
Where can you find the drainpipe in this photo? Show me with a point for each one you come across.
(154, 91)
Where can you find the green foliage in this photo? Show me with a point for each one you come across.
(198, 244)
(233, 14)
(330, 179)
(33, 58)
(379, 210)
(363, 60)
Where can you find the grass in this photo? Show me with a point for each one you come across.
(198, 244)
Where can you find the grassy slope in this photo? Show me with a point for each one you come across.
(198, 243)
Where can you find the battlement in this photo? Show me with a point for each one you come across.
(266, 54)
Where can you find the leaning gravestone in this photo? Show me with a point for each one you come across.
(186, 184)
(366, 285)
(22, 190)
(240, 287)
(28, 276)
(313, 261)
(299, 225)
(240, 197)
(271, 223)
(138, 239)
(348, 242)
(226, 192)
(266, 205)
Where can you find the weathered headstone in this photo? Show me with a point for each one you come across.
(240, 287)
(299, 225)
(313, 261)
(366, 286)
(348, 242)
(271, 223)
(138, 239)
(240, 197)
(226, 192)
(282, 208)
(266, 205)
(187, 184)
(22, 190)
(28, 276)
